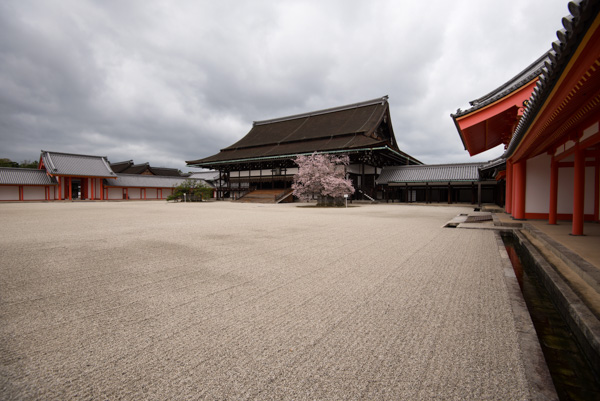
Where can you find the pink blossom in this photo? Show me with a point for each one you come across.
(322, 176)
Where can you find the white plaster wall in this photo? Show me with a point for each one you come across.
(34, 193)
(565, 190)
(588, 205)
(9, 192)
(115, 193)
(96, 189)
(151, 193)
(134, 193)
(537, 184)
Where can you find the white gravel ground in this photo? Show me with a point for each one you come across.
(157, 300)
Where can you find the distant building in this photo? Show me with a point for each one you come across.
(264, 158)
(74, 176)
(128, 167)
(440, 183)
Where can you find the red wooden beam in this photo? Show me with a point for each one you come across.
(520, 176)
(553, 192)
(578, 192)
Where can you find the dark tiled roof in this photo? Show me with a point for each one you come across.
(24, 176)
(493, 164)
(576, 25)
(136, 168)
(128, 167)
(165, 171)
(351, 127)
(119, 167)
(430, 173)
(146, 181)
(57, 163)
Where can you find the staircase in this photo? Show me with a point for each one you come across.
(267, 196)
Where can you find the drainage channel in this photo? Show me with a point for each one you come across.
(571, 373)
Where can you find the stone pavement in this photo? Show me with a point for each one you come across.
(220, 300)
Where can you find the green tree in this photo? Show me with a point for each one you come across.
(193, 189)
(8, 163)
(29, 164)
(24, 164)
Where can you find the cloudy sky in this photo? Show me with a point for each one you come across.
(168, 81)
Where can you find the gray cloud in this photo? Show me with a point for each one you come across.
(167, 82)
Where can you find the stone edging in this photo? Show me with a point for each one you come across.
(583, 323)
(538, 377)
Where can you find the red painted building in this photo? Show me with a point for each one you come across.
(548, 118)
(68, 176)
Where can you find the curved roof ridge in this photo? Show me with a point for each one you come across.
(576, 25)
(72, 154)
(530, 72)
(381, 100)
(442, 164)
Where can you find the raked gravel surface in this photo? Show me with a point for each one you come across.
(227, 301)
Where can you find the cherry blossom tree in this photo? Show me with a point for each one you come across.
(323, 176)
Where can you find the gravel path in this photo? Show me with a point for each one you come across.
(157, 300)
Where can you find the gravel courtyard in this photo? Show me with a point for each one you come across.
(218, 300)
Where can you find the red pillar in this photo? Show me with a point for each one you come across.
(520, 172)
(20, 192)
(597, 190)
(553, 192)
(70, 188)
(60, 188)
(578, 191)
(126, 193)
(101, 189)
(93, 185)
(509, 187)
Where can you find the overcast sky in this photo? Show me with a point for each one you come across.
(169, 81)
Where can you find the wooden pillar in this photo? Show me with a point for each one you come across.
(101, 188)
(578, 191)
(93, 188)
(508, 201)
(519, 177)
(362, 180)
(70, 188)
(60, 186)
(552, 213)
(479, 194)
(220, 188)
(126, 193)
(20, 192)
(449, 193)
(597, 190)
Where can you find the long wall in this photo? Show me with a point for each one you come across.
(28, 192)
(537, 201)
